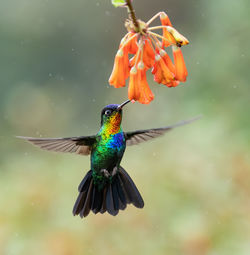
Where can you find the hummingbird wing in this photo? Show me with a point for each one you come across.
(139, 136)
(80, 145)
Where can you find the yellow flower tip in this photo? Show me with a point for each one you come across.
(179, 38)
(162, 53)
(125, 38)
(165, 19)
(182, 41)
(163, 15)
(122, 41)
(175, 48)
(157, 57)
(141, 65)
(133, 70)
(119, 53)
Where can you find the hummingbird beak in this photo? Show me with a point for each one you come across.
(123, 104)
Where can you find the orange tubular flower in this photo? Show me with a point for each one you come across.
(133, 87)
(168, 38)
(138, 86)
(120, 70)
(161, 71)
(148, 51)
(132, 44)
(148, 54)
(181, 70)
(167, 61)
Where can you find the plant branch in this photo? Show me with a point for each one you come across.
(131, 12)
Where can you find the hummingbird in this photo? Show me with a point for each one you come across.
(106, 187)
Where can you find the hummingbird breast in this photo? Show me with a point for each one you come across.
(108, 151)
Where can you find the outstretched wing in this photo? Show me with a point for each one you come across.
(80, 145)
(139, 136)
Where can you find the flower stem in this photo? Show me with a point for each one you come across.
(128, 40)
(138, 55)
(159, 36)
(131, 12)
(153, 18)
(157, 27)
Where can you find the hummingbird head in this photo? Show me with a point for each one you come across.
(112, 114)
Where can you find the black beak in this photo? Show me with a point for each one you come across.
(121, 105)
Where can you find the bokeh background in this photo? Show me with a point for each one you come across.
(56, 57)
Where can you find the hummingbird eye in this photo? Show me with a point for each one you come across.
(108, 112)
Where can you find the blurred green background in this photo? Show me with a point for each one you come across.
(56, 58)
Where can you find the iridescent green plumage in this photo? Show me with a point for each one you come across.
(108, 150)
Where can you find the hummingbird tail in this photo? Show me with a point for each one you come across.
(111, 198)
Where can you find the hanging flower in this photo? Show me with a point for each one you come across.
(138, 88)
(145, 49)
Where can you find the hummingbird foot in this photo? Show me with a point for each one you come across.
(115, 170)
(105, 172)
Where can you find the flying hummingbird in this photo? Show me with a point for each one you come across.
(107, 186)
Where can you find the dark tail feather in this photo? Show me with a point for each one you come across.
(121, 194)
(87, 205)
(132, 192)
(96, 200)
(83, 189)
(113, 197)
(85, 182)
(111, 201)
(104, 195)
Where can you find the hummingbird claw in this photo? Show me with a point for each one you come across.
(115, 170)
(105, 173)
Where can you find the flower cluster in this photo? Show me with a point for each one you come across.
(142, 49)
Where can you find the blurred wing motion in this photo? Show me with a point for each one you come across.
(139, 136)
(80, 145)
